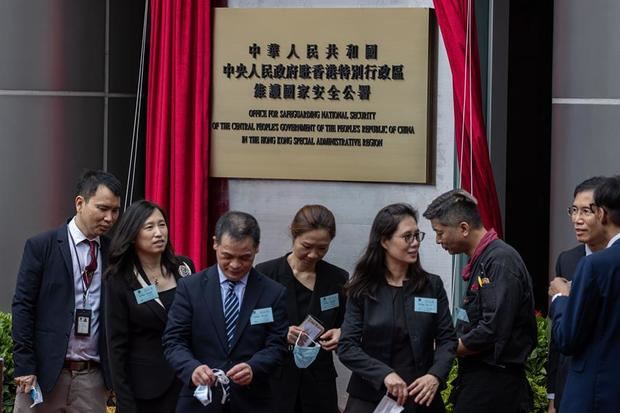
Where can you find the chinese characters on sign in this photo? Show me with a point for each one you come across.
(271, 78)
(347, 102)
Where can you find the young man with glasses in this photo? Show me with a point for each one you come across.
(591, 234)
(495, 324)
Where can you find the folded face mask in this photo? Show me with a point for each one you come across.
(36, 395)
(203, 393)
(305, 355)
(388, 405)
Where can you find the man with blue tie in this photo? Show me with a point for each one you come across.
(230, 318)
(586, 315)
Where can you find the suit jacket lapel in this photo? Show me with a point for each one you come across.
(253, 291)
(413, 327)
(64, 245)
(288, 280)
(213, 301)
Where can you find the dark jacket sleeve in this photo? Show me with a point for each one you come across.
(24, 308)
(445, 337)
(118, 333)
(554, 355)
(350, 350)
(574, 317)
(178, 335)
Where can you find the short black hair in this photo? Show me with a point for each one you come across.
(589, 184)
(90, 181)
(607, 195)
(453, 207)
(238, 225)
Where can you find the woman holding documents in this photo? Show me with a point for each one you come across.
(315, 305)
(140, 285)
(397, 335)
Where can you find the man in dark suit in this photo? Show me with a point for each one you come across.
(228, 317)
(586, 315)
(58, 328)
(592, 236)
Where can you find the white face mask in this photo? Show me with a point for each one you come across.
(203, 393)
(388, 405)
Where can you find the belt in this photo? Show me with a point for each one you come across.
(80, 365)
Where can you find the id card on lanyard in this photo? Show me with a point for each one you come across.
(84, 315)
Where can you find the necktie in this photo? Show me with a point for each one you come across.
(89, 270)
(231, 311)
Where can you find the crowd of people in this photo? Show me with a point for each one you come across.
(94, 317)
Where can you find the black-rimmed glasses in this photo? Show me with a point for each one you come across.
(410, 236)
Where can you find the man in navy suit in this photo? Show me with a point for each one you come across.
(591, 234)
(58, 330)
(231, 318)
(586, 315)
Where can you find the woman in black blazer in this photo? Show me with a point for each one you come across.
(140, 285)
(397, 334)
(313, 287)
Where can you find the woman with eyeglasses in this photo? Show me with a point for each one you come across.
(314, 287)
(140, 283)
(397, 335)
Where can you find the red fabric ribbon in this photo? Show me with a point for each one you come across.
(488, 238)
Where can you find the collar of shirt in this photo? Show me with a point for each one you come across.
(239, 287)
(588, 250)
(77, 234)
(614, 239)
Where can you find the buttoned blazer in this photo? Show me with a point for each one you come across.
(557, 366)
(586, 326)
(43, 308)
(330, 280)
(366, 341)
(137, 364)
(195, 334)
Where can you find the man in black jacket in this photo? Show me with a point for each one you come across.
(495, 322)
(591, 234)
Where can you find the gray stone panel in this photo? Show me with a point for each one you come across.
(586, 56)
(52, 45)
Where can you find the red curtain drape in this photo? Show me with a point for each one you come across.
(471, 143)
(177, 130)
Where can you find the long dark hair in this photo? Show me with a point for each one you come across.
(122, 256)
(370, 270)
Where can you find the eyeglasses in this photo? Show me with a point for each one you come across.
(588, 211)
(410, 236)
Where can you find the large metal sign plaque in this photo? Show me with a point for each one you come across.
(321, 94)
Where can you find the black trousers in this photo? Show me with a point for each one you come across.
(483, 388)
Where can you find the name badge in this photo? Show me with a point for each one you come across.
(261, 316)
(425, 305)
(83, 317)
(461, 314)
(146, 294)
(330, 301)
